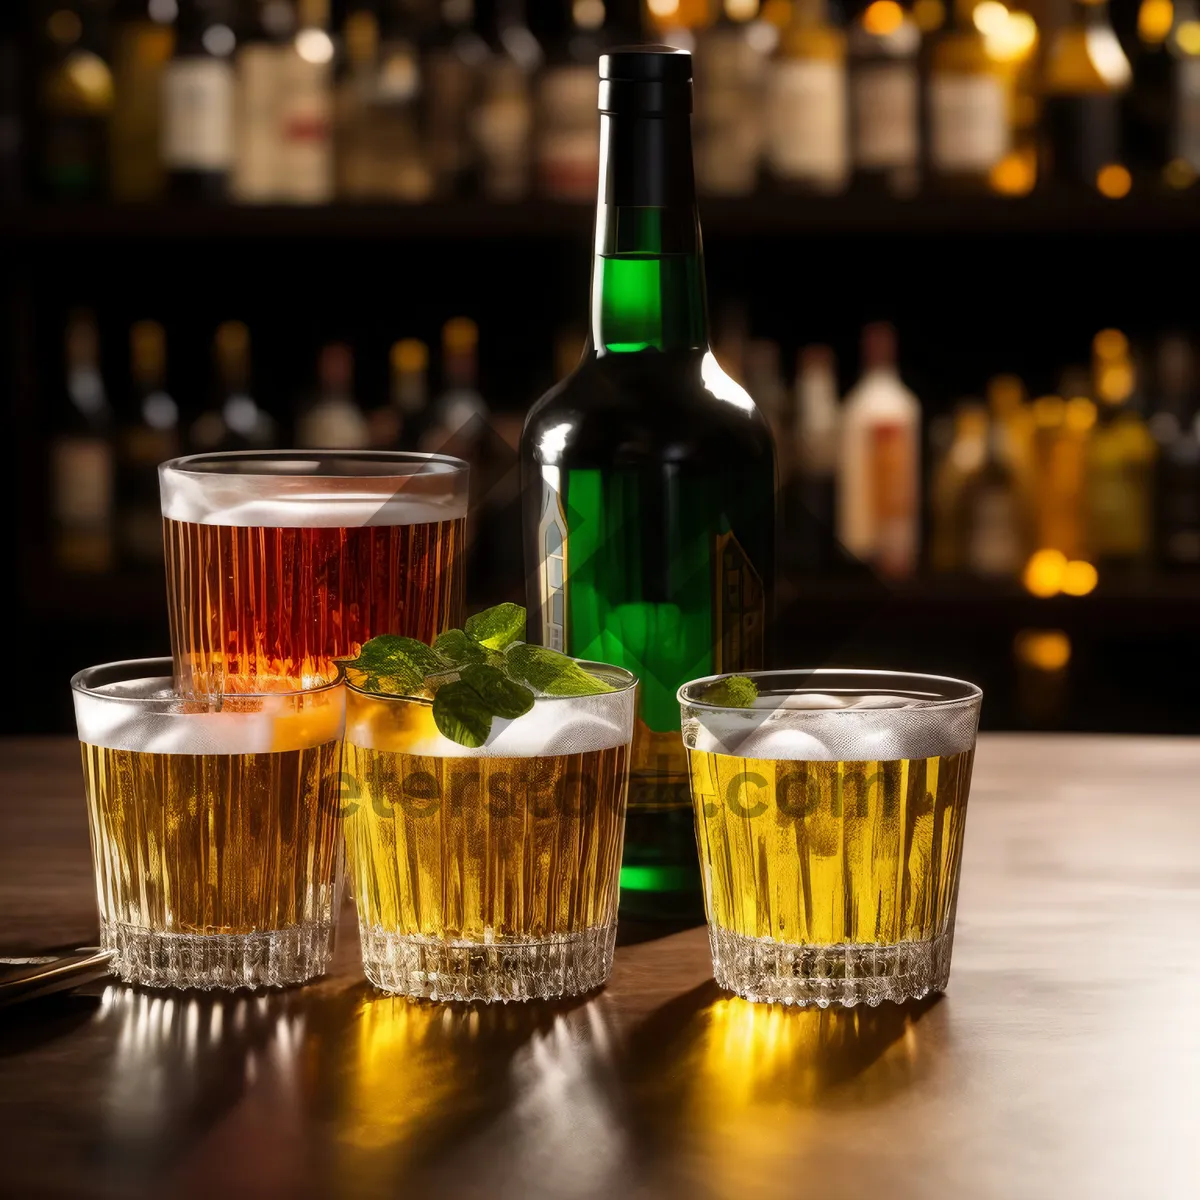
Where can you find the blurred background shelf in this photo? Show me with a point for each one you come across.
(1039, 217)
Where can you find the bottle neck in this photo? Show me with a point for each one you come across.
(648, 271)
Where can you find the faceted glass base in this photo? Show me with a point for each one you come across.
(772, 972)
(186, 960)
(564, 965)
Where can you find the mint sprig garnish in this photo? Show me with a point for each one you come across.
(505, 697)
(457, 648)
(474, 674)
(734, 692)
(497, 628)
(395, 664)
(461, 714)
(551, 673)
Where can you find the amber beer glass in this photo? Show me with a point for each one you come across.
(488, 873)
(215, 824)
(280, 562)
(830, 811)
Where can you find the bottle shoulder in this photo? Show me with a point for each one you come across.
(646, 405)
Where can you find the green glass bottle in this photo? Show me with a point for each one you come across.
(648, 474)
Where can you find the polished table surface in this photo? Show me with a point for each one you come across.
(1064, 1061)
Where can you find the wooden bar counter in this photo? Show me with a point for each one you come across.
(1064, 1061)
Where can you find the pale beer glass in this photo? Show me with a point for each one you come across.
(215, 825)
(830, 814)
(488, 873)
(280, 562)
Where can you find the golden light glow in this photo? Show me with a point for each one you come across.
(1113, 181)
(1049, 412)
(1014, 40)
(741, 10)
(1080, 414)
(929, 15)
(990, 16)
(1155, 18)
(1014, 175)
(882, 17)
(1006, 394)
(1179, 174)
(1079, 578)
(1044, 572)
(1110, 343)
(1187, 37)
(663, 9)
(64, 26)
(1043, 649)
(1114, 382)
(87, 79)
(777, 13)
(588, 14)
(314, 46)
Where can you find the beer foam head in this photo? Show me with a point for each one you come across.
(844, 724)
(147, 715)
(292, 489)
(555, 725)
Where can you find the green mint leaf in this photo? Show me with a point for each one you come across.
(503, 696)
(551, 673)
(397, 664)
(457, 649)
(735, 692)
(497, 628)
(461, 714)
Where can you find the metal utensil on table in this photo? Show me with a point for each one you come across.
(27, 977)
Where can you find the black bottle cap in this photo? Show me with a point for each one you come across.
(646, 80)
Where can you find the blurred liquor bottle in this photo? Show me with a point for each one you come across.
(233, 419)
(381, 154)
(729, 96)
(502, 125)
(81, 456)
(996, 539)
(335, 420)
(816, 425)
(461, 427)
(306, 109)
(260, 72)
(1176, 429)
(459, 412)
(75, 99)
(1120, 462)
(143, 39)
(1062, 426)
(1183, 46)
(807, 136)
(452, 58)
(954, 466)
(198, 103)
(968, 106)
(879, 483)
(1163, 114)
(567, 131)
(409, 392)
(1084, 76)
(883, 44)
(149, 435)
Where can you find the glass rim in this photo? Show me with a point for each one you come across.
(628, 680)
(122, 672)
(968, 693)
(215, 463)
